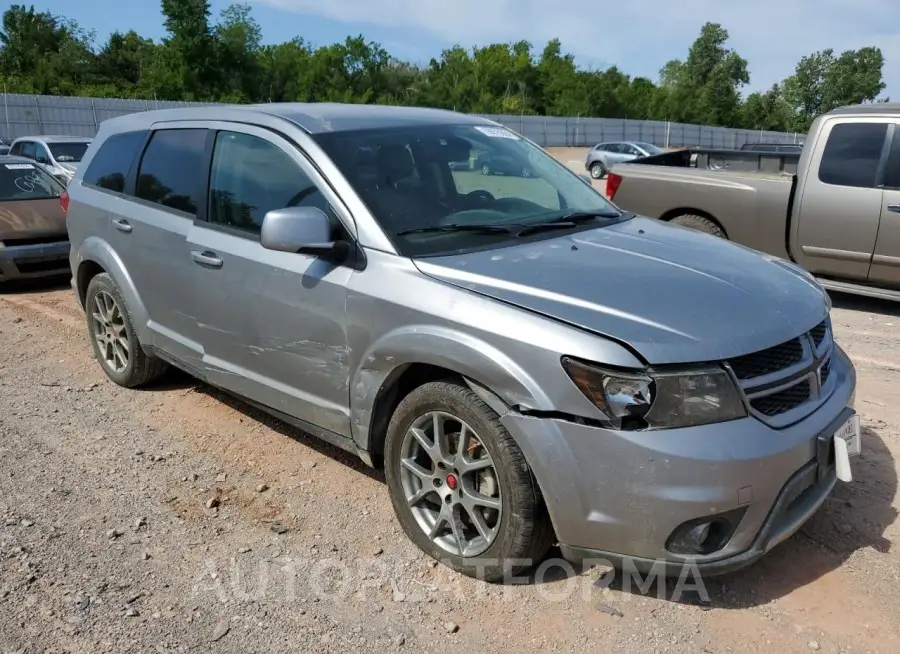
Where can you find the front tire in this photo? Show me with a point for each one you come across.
(116, 345)
(485, 169)
(700, 224)
(597, 170)
(460, 485)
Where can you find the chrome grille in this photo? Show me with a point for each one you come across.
(780, 382)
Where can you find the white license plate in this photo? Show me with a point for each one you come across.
(850, 433)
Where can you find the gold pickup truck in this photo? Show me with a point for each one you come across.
(834, 209)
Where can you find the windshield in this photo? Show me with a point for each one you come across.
(25, 181)
(649, 148)
(498, 188)
(68, 152)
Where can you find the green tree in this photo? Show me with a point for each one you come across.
(821, 82)
(227, 60)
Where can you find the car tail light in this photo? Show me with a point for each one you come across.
(612, 184)
(64, 201)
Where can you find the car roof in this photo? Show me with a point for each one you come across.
(53, 138)
(887, 108)
(313, 117)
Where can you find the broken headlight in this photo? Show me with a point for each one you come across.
(659, 400)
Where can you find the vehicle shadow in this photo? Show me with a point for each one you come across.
(854, 517)
(41, 285)
(864, 304)
(175, 380)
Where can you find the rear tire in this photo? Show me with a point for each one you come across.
(700, 224)
(598, 171)
(115, 343)
(424, 495)
(485, 169)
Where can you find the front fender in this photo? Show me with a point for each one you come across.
(96, 250)
(443, 347)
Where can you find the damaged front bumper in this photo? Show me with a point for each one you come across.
(623, 496)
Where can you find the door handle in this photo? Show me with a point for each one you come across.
(894, 207)
(122, 225)
(207, 258)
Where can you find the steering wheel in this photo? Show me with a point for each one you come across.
(482, 195)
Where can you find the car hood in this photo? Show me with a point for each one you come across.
(673, 294)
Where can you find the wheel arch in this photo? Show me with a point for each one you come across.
(96, 256)
(411, 357)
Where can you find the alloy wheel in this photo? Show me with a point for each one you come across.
(451, 484)
(110, 332)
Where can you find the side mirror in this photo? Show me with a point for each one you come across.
(304, 230)
(42, 159)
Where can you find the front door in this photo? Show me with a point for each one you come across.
(840, 204)
(885, 268)
(272, 324)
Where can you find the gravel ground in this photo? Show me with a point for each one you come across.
(177, 519)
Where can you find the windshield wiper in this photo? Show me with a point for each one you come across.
(484, 229)
(567, 221)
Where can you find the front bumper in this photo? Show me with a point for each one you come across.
(33, 261)
(619, 496)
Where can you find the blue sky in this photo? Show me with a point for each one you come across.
(638, 36)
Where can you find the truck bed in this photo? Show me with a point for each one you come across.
(748, 194)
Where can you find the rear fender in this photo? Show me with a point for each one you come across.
(99, 251)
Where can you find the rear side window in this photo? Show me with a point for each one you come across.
(173, 168)
(109, 167)
(852, 154)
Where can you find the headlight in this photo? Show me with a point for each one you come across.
(663, 400)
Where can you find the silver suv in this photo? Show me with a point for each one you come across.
(530, 364)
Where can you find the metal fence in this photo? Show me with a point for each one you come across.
(25, 115)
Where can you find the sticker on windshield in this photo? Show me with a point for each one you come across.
(497, 132)
(19, 166)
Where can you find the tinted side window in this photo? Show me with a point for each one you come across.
(109, 167)
(172, 169)
(16, 149)
(28, 149)
(250, 177)
(852, 154)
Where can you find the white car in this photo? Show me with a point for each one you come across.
(58, 155)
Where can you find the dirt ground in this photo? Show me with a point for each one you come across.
(177, 519)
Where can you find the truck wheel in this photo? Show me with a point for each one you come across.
(699, 223)
(460, 485)
(597, 170)
(116, 345)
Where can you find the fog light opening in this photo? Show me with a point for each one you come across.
(704, 535)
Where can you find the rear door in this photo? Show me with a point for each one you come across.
(152, 228)
(840, 205)
(885, 267)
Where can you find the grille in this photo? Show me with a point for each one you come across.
(768, 361)
(825, 371)
(818, 332)
(783, 401)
